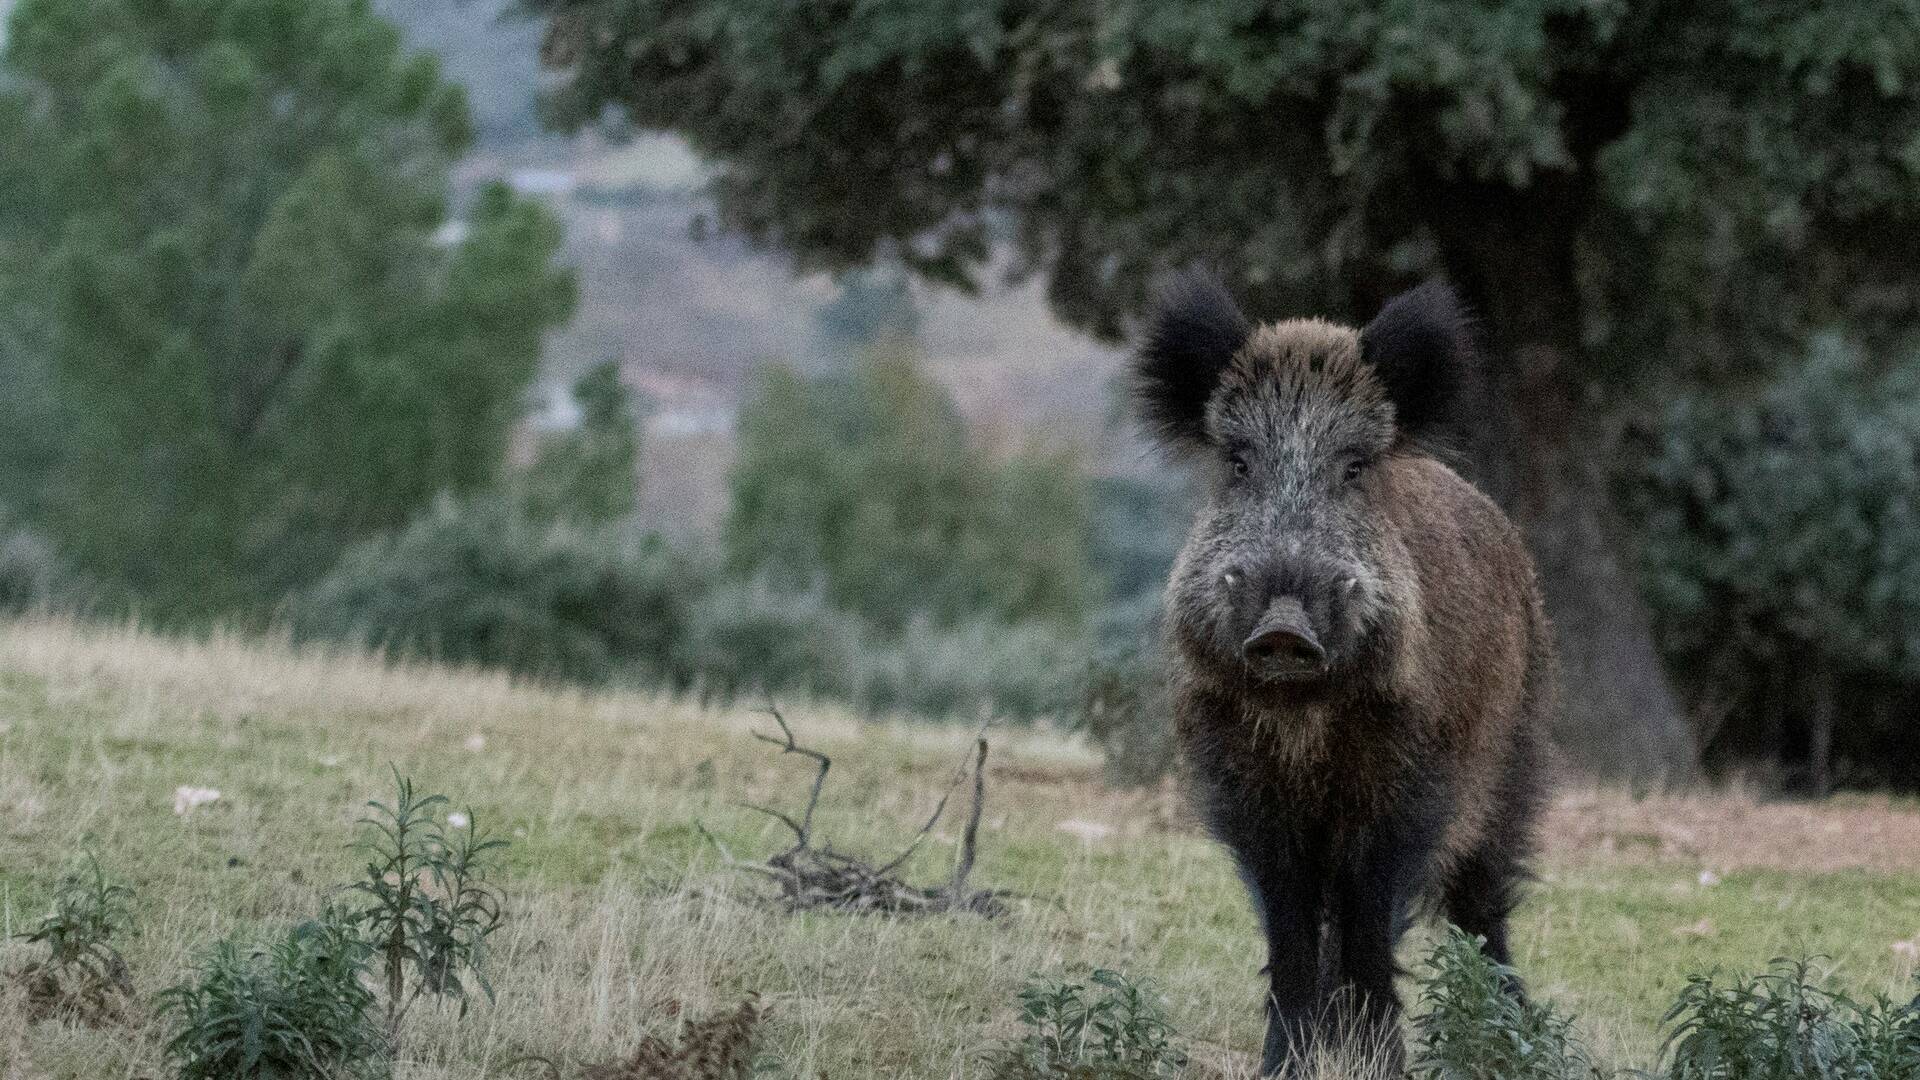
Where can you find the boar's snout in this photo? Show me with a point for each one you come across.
(1283, 645)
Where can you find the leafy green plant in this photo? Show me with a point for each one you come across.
(1782, 1025)
(747, 638)
(428, 906)
(1471, 1026)
(298, 1009)
(1123, 704)
(866, 485)
(978, 666)
(1114, 1030)
(82, 968)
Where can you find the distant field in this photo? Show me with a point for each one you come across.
(620, 909)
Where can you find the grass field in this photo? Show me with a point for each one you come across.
(622, 915)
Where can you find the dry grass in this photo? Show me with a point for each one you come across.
(623, 923)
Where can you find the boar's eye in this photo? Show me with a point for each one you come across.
(1353, 469)
(1238, 463)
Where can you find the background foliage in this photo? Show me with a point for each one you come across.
(1633, 195)
(481, 582)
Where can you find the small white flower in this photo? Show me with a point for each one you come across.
(1708, 879)
(476, 743)
(1907, 950)
(329, 761)
(186, 797)
(458, 820)
(1088, 831)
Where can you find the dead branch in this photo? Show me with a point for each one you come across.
(810, 877)
(972, 834)
(802, 830)
(939, 808)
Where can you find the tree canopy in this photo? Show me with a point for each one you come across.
(238, 331)
(1317, 150)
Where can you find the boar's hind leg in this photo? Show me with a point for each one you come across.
(1479, 896)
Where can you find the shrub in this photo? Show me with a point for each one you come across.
(295, 1010)
(751, 638)
(1124, 710)
(428, 908)
(746, 637)
(981, 666)
(1780, 552)
(1123, 704)
(1471, 1027)
(1783, 1026)
(82, 970)
(590, 473)
(865, 484)
(1113, 1030)
(32, 575)
(480, 582)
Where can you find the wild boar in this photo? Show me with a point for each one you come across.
(1361, 670)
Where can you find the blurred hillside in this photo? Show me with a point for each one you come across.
(688, 316)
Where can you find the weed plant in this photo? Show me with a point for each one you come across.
(1783, 1025)
(82, 969)
(298, 1009)
(427, 907)
(1472, 1026)
(1115, 1029)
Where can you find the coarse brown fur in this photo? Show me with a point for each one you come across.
(1393, 753)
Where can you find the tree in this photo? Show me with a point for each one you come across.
(592, 472)
(1624, 189)
(220, 228)
(864, 485)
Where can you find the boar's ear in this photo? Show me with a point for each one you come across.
(1420, 344)
(1196, 330)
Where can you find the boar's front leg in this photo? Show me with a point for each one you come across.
(1288, 894)
(1368, 903)
(1365, 921)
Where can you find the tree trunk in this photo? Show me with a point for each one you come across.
(1820, 732)
(1543, 453)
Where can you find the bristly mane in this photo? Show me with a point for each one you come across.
(1301, 358)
